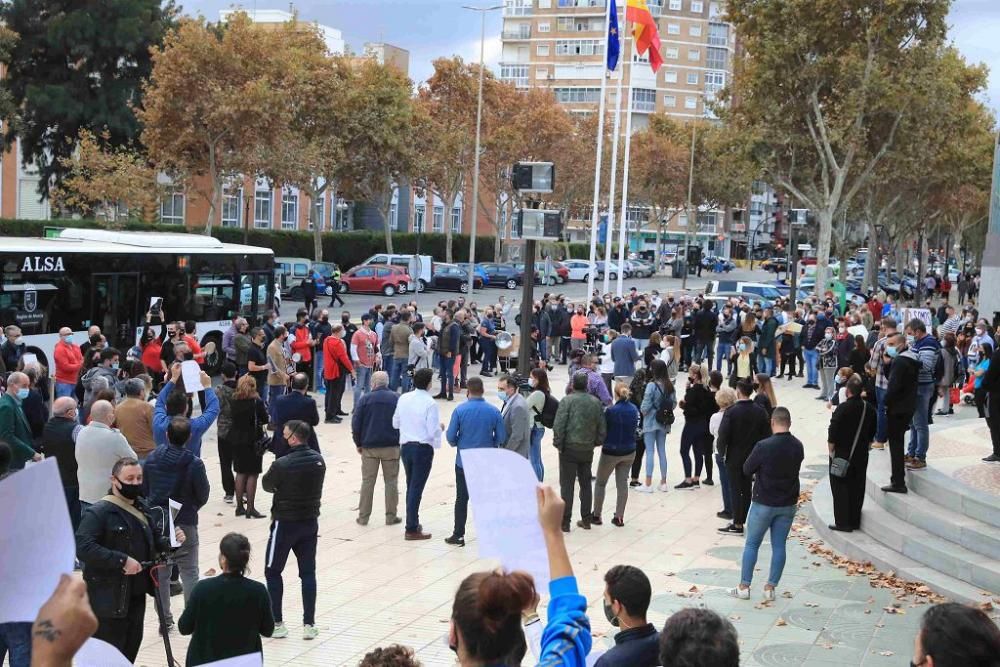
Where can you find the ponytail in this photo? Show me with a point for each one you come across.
(487, 612)
(236, 548)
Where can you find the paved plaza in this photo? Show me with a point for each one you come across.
(376, 589)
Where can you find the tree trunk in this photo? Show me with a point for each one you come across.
(315, 192)
(823, 248)
(384, 206)
(659, 242)
(446, 221)
(873, 260)
(213, 169)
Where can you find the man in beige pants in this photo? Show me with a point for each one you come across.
(378, 444)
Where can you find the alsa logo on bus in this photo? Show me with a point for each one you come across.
(39, 263)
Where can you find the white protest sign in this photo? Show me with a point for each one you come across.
(502, 488)
(36, 544)
(191, 373)
(922, 314)
(29, 359)
(248, 660)
(858, 330)
(99, 653)
(174, 509)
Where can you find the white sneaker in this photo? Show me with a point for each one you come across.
(663, 487)
(309, 632)
(280, 631)
(644, 489)
(768, 595)
(741, 593)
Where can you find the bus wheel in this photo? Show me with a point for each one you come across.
(213, 362)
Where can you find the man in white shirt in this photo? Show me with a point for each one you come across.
(419, 422)
(98, 448)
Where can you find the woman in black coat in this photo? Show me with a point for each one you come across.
(698, 406)
(249, 417)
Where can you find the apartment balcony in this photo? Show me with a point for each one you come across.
(516, 34)
(643, 106)
(517, 8)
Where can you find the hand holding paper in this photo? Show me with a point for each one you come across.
(191, 372)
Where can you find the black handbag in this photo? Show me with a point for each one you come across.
(839, 466)
(263, 441)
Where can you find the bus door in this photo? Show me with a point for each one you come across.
(116, 307)
(256, 291)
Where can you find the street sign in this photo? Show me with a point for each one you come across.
(538, 177)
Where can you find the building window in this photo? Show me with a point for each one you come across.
(671, 53)
(675, 5)
(544, 27)
(320, 207)
(692, 78)
(232, 205)
(694, 30)
(438, 222)
(697, 6)
(690, 102)
(542, 50)
(577, 95)
(517, 8)
(172, 206)
(673, 29)
(718, 34)
(262, 209)
(694, 54)
(581, 3)
(579, 47)
(579, 24)
(542, 73)
(670, 76)
(289, 209)
(716, 58)
(643, 99)
(669, 101)
(706, 222)
(714, 82)
(515, 233)
(515, 74)
(418, 218)
(655, 7)
(456, 220)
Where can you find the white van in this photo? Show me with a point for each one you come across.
(289, 272)
(419, 267)
(764, 290)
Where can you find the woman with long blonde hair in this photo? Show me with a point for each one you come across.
(249, 415)
(724, 398)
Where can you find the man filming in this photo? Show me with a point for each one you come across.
(113, 542)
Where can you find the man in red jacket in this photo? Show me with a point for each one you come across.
(69, 359)
(336, 367)
(302, 343)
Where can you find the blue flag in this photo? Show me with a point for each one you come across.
(614, 41)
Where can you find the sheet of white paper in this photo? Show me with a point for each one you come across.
(191, 372)
(36, 545)
(248, 660)
(99, 653)
(175, 508)
(858, 330)
(29, 359)
(502, 488)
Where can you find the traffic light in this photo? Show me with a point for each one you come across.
(778, 214)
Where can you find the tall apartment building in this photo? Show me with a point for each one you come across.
(560, 45)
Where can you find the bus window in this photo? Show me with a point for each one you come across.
(214, 297)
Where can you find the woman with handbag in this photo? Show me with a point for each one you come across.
(852, 429)
(249, 417)
(657, 407)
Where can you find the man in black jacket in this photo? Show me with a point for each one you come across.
(706, 321)
(59, 442)
(627, 592)
(743, 425)
(991, 383)
(113, 542)
(296, 480)
(852, 427)
(900, 402)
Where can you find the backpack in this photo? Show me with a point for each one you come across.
(664, 411)
(547, 417)
(939, 367)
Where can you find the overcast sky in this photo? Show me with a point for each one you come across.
(433, 28)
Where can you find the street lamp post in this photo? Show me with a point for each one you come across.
(479, 123)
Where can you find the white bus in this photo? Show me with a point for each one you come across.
(82, 277)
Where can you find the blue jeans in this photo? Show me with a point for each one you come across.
(64, 389)
(319, 381)
(727, 502)
(417, 459)
(447, 368)
(656, 441)
(919, 431)
(535, 454)
(703, 351)
(812, 374)
(274, 391)
(543, 348)
(761, 519)
(398, 371)
(363, 384)
(15, 638)
(405, 382)
(765, 364)
(723, 352)
(389, 366)
(461, 503)
(880, 431)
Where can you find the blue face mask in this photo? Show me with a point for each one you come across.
(910, 340)
(22, 393)
(502, 395)
(67, 338)
(743, 347)
(891, 351)
(114, 366)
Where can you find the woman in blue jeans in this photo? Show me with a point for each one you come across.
(540, 390)
(774, 462)
(659, 393)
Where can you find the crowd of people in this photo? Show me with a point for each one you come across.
(123, 431)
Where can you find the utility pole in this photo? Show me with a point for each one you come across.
(687, 227)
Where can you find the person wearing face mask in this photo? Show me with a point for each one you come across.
(102, 376)
(516, 417)
(320, 328)
(14, 427)
(112, 542)
(643, 322)
(69, 361)
(744, 362)
(577, 325)
(487, 341)
(928, 350)
(627, 592)
(901, 403)
(337, 366)
(827, 351)
(134, 417)
(13, 348)
(227, 615)
(98, 446)
(278, 363)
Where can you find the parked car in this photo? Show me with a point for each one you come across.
(539, 269)
(721, 298)
(577, 269)
(710, 262)
(636, 268)
(421, 267)
(764, 290)
(562, 273)
(611, 268)
(389, 280)
(503, 275)
(775, 264)
(453, 277)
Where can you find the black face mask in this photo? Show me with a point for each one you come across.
(345, 319)
(610, 615)
(129, 491)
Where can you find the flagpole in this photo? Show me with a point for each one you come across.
(598, 162)
(623, 231)
(610, 235)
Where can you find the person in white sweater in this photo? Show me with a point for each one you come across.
(724, 398)
(98, 448)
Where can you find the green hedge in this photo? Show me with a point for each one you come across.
(345, 248)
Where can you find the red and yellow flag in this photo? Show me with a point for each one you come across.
(647, 37)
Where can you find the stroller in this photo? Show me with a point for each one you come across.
(968, 391)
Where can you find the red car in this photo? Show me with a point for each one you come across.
(388, 280)
(561, 271)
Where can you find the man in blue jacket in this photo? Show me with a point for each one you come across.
(378, 444)
(173, 472)
(624, 354)
(927, 349)
(627, 592)
(170, 404)
(295, 405)
(474, 424)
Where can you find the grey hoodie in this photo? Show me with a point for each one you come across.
(96, 379)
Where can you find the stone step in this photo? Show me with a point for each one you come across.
(862, 546)
(924, 512)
